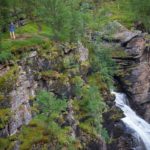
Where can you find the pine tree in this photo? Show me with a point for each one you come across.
(63, 17)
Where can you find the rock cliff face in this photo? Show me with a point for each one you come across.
(134, 72)
(131, 53)
(56, 71)
(17, 102)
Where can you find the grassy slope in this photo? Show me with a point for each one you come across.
(26, 36)
(29, 35)
(109, 11)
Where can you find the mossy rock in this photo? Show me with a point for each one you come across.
(96, 80)
(116, 114)
(77, 80)
(4, 117)
(50, 74)
(87, 128)
(118, 52)
(2, 97)
(73, 71)
(4, 143)
(8, 80)
(84, 67)
(69, 61)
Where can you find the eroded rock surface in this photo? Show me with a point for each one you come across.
(55, 71)
(134, 75)
(133, 78)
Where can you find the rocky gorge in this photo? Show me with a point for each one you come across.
(132, 78)
(44, 71)
(58, 68)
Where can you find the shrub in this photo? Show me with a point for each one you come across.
(93, 105)
(102, 62)
(50, 105)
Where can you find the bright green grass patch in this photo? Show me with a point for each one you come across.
(33, 28)
(27, 36)
(11, 48)
(29, 28)
(16, 44)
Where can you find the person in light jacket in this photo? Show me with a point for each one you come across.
(12, 30)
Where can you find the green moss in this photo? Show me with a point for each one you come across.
(2, 97)
(73, 71)
(8, 81)
(77, 80)
(69, 61)
(96, 80)
(4, 143)
(119, 53)
(87, 128)
(31, 135)
(37, 133)
(22, 46)
(51, 74)
(116, 115)
(4, 117)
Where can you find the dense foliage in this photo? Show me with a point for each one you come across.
(55, 28)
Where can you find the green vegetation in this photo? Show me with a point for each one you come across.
(49, 105)
(4, 117)
(63, 17)
(93, 106)
(7, 82)
(141, 10)
(101, 61)
(54, 28)
(44, 130)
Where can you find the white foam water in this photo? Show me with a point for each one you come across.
(132, 120)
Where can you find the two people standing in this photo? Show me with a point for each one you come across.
(12, 31)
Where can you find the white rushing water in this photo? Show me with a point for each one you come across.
(132, 120)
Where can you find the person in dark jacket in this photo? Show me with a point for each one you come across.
(12, 30)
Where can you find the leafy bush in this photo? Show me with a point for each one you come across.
(5, 56)
(7, 82)
(44, 130)
(101, 61)
(93, 105)
(63, 17)
(49, 105)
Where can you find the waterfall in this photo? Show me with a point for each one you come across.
(140, 127)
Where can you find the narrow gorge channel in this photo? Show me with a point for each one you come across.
(138, 128)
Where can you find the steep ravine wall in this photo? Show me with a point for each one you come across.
(135, 78)
(30, 75)
(16, 101)
(53, 73)
(131, 53)
(134, 66)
